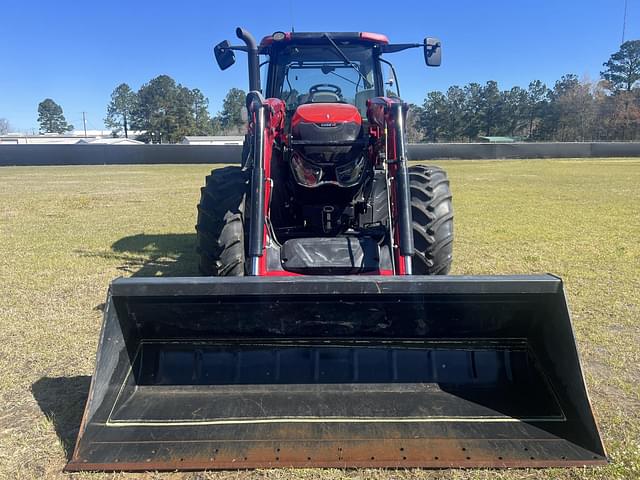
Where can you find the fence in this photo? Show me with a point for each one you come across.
(164, 154)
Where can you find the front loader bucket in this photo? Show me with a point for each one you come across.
(206, 373)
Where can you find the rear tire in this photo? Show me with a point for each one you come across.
(432, 213)
(220, 227)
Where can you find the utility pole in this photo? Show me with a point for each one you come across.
(84, 122)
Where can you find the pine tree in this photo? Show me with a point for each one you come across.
(123, 101)
(51, 118)
(623, 67)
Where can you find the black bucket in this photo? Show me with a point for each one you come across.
(205, 373)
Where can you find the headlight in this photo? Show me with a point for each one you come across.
(305, 173)
(348, 174)
(309, 174)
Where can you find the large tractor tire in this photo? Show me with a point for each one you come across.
(220, 227)
(432, 214)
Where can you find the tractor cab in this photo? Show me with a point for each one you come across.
(312, 68)
(322, 67)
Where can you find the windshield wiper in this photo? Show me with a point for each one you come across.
(347, 61)
(345, 78)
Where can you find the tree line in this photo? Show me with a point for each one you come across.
(161, 111)
(166, 111)
(571, 110)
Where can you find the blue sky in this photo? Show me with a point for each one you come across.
(78, 52)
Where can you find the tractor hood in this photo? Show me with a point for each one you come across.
(326, 114)
(326, 124)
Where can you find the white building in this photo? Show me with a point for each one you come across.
(77, 136)
(47, 139)
(214, 140)
(109, 141)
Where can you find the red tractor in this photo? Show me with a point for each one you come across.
(324, 187)
(340, 348)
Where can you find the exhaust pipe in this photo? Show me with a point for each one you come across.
(256, 223)
(252, 53)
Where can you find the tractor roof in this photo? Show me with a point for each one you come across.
(310, 38)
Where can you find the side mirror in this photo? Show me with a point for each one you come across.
(224, 55)
(432, 52)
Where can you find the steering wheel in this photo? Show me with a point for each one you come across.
(325, 88)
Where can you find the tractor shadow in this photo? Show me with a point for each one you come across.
(62, 401)
(153, 255)
(169, 255)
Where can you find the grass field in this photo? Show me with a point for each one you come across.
(65, 232)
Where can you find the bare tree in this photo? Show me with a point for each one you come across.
(4, 126)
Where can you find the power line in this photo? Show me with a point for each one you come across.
(624, 21)
(291, 13)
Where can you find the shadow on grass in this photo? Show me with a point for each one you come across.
(148, 255)
(62, 401)
(172, 254)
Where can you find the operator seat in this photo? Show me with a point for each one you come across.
(323, 97)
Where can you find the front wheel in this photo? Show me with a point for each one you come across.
(432, 213)
(220, 227)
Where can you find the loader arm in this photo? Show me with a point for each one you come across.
(265, 127)
(388, 117)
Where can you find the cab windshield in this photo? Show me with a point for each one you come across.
(319, 74)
